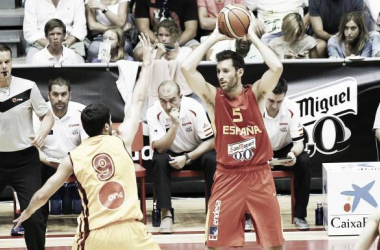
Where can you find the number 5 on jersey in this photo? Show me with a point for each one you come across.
(237, 116)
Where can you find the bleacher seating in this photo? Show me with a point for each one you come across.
(11, 20)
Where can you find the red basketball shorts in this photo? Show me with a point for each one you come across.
(239, 191)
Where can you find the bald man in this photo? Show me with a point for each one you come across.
(182, 138)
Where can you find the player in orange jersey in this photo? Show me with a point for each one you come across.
(243, 181)
(106, 177)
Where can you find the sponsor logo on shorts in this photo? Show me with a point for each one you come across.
(213, 230)
(213, 233)
(216, 212)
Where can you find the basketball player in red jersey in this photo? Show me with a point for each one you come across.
(106, 176)
(243, 181)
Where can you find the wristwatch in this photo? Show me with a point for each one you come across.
(105, 10)
(188, 160)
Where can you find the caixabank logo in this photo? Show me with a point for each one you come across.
(321, 110)
(358, 201)
(358, 194)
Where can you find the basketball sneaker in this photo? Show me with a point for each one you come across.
(166, 225)
(301, 224)
(17, 231)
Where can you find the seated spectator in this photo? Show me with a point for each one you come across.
(101, 15)
(294, 43)
(242, 46)
(208, 11)
(150, 13)
(182, 138)
(38, 13)
(168, 34)
(352, 38)
(271, 13)
(325, 16)
(169, 57)
(55, 52)
(285, 131)
(115, 36)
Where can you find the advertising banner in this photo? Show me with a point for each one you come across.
(337, 100)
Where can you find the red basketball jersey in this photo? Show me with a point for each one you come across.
(241, 138)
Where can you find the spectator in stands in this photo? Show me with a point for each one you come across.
(55, 52)
(240, 45)
(115, 36)
(208, 11)
(67, 132)
(370, 232)
(352, 38)
(271, 13)
(294, 43)
(182, 138)
(168, 34)
(101, 15)
(38, 13)
(325, 16)
(376, 39)
(150, 13)
(376, 125)
(20, 165)
(282, 122)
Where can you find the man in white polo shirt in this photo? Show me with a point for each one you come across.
(37, 13)
(19, 162)
(282, 121)
(182, 138)
(67, 132)
(55, 52)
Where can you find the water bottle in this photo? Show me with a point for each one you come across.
(319, 215)
(77, 202)
(67, 198)
(56, 203)
(156, 216)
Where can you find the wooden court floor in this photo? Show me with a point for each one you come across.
(188, 229)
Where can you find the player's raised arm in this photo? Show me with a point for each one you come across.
(127, 130)
(195, 80)
(270, 78)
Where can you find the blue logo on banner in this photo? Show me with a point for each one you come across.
(361, 193)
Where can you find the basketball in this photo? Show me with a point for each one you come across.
(233, 21)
